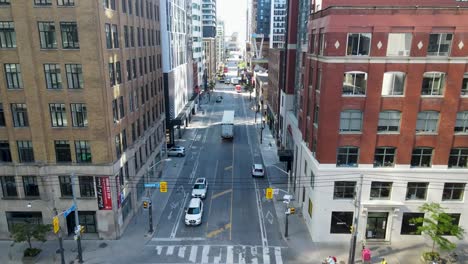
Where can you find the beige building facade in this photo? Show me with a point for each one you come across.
(80, 93)
(209, 48)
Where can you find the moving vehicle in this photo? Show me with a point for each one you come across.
(219, 99)
(194, 212)
(176, 151)
(235, 81)
(238, 88)
(227, 80)
(200, 188)
(227, 125)
(257, 170)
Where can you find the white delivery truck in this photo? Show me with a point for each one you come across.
(227, 125)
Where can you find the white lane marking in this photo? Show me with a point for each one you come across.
(170, 250)
(169, 216)
(266, 255)
(242, 256)
(195, 166)
(217, 259)
(193, 254)
(176, 226)
(230, 255)
(206, 250)
(253, 251)
(278, 258)
(159, 250)
(269, 217)
(181, 253)
(261, 220)
(167, 239)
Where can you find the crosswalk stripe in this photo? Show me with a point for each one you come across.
(230, 256)
(242, 256)
(206, 250)
(253, 251)
(266, 255)
(217, 259)
(159, 250)
(170, 250)
(193, 254)
(278, 258)
(181, 252)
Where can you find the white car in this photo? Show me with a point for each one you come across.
(257, 170)
(194, 212)
(200, 188)
(176, 151)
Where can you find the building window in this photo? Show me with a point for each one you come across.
(13, 76)
(399, 44)
(65, 186)
(455, 222)
(31, 189)
(341, 222)
(43, 2)
(14, 218)
(310, 208)
(65, 2)
(52, 76)
(7, 34)
(4, 2)
(321, 42)
(111, 73)
(461, 125)
(109, 4)
(79, 115)
(380, 190)
(118, 73)
(20, 115)
(74, 76)
(453, 191)
(115, 36)
(439, 44)
(354, 83)
(86, 186)
(121, 107)
(88, 221)
(433, 83)
(416, 190)
(69, 35)
(9, 186)
(132, 35)
(359, 44)
(62, 151)
(118, 146)
(47, 35)
(107, 28)
(458, 158)
(464, 88)
(5, 153)
(393, 83)
(384, 157)
(350, 121)
(58, 115)
(126, 40)
(25, 151)
(344, 190)
(316, 114)
(347, 157)
(409, 227)
(124, 6)
(421, 157)
(2, 116)
(83, 151)
(389, 121)
(427, 122)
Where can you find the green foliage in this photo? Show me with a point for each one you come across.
(436, 224)
(25, 232)
(32, 252)
(242, 65)
(431, 255)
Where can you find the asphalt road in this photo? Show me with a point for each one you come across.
(239, 225)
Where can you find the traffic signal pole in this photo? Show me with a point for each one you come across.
(357, 210)
(77, 221)
(150, 213)
(62, 256)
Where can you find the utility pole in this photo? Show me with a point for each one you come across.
(62, 257)
(150, 204)
(77, 221)
(357, 210)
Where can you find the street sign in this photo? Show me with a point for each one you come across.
(56, 224)
(69, 210)
(276, 191)
(152, 185)
(269, 193)
(163, 187)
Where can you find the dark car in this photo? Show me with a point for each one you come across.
(219, 99)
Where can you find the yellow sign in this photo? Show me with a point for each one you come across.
(292, 210)
(145, 204)
(269, 193)
(163, 186)
(56, 224)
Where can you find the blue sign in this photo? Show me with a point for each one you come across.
(152, 185)
(69, 210)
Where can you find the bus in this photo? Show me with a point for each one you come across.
(227, 125)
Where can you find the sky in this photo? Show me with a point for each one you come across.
(233, 12)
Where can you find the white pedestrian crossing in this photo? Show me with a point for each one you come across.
(223, 254)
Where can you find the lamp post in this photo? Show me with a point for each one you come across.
(150, 205)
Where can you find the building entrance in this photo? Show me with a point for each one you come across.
(376, 225)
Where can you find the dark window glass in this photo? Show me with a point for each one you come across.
(126, 40)
(107, 28)
(9, 186)
(69, 32)
(7, 34)
(453, 191)
(23, 217)
(115, 36)
(416, 190)
(65, 186)
(124, 6)
(121, 107)
(66, 2)
(111, 73)
(5, 153)
(380, 190)
(58, 115)
(88, 220)
(62, 151)
(118, 73)
(43, 2)
(132, 37)
(408, 227)
(358, 44)
(52, 76)
(384, 157)
(79, 114)
(344, 190)
(455, 222)
(31, 189)
(47, 35)
(13, 76)
(341, 222)
(439, 44)
(86, 186)
(115, 110)
(458, 158)
(25, 151)
(74, 76)
(83, 151)
(20, 115)
(347, 157)
(2, 116)
(421, 157)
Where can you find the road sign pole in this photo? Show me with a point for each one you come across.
(77, 221)
(150, 212)
(62, 256)
(286, 226)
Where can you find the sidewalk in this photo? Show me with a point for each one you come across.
(301, 247)
(109, 251)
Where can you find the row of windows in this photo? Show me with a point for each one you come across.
(351, 121)
(433, 83)
(399, 44)
(154, 62)
(421, 157)
(127, 7)
(383, 190)
(49, 2)
(62, 151)
(143, 36)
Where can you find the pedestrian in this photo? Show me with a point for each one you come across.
(366, 255)
(383, 261)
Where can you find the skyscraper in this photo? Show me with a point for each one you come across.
(209, 18)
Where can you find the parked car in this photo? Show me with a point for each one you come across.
(200, 188)
(227, 80)
(257, 170)
(176, 151)
(219, 99)
(194, 212)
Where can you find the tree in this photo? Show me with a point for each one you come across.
(436, 224)
(25, 232)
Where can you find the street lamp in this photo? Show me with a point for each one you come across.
(54, 210)
(150, 206)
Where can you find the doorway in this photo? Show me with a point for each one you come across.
(376, 225)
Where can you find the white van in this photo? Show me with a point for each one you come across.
(194, 212)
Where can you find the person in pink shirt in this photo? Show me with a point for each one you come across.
(366, 255)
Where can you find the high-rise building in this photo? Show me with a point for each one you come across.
(209, 18)
(197, 41)
(220, 43)
(209, 48)
(262, 14)
(82, 95)
(177, 65)
(277, 23)
(390, 134)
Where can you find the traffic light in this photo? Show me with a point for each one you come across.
(292, 210)
(145, 204)
(269, 193)
(351, 228)
(163, 187)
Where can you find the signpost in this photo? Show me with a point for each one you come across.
(269, 193)
(152, 185)
(69, 210)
